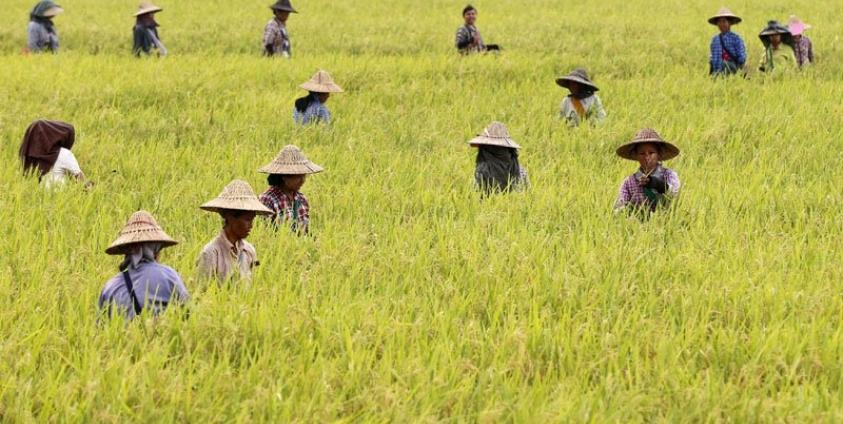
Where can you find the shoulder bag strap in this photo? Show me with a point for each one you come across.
(130, 287)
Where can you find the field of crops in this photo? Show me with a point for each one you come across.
(415, 300)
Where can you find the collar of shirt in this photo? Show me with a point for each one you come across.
(234, 249)
(658, 172)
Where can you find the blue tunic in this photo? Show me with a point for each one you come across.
(155, 285)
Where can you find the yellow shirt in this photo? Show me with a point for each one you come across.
(778, 60)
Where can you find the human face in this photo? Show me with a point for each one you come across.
(282, 15)
(574, 87)
(470, 17)
(775, 40)
(238, 225)
(797, 37)
(323, 97)
(724, 25)
(293, 183)
(648, 156)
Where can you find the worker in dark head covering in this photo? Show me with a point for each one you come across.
(41, 32)
(276, 39)
(46, 149)
(145, 33)
(497, 168)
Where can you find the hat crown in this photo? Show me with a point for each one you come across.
(496, 130)
(140, 221)
(237, 189)
(580, 73)
(322, 77)
(724, 11)
(291, 155)
(646, 134)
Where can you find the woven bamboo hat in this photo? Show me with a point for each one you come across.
(321, 82)
(579, 76)
(724, 12)
(53, 11)
(237, 196)
(146, 7)
(291, 161)
(495, 134)
(648, 135)
(140, 228)
(284, 6)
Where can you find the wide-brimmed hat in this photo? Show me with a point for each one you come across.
(796, 26)
(284, 6)
(579, 76)
(140, 228)
(146, 7)
(237, 196)
(773, 28)
(648, 135)
(45, 9)
(53, 11)
(724, 12)
(495, 134)
(291, 161)
(321, 82)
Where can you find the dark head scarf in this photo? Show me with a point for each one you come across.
(42, 142)
(37, 14)
(303, 102)
(497, 168)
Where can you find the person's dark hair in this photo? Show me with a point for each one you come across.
(467, 9)
(275, 180)
(303, 102)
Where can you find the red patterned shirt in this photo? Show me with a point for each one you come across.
(294, 208)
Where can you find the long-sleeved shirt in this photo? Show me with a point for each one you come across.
(276, 40)
(155, 285)
(313, 113)
(465, 38)
(146, 39)
(778, 60)
(631, 194)
(592, 109)
(735, 51)
(65, 166)
(222, 260)
(41, 37)
(295, 209)
(804, 50)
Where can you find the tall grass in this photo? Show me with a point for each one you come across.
(415, 300)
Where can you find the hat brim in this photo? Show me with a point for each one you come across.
(567, 80)
(668, 150)
(245, 205)
(482, 140)
(299, 169)
(321, 88)
(734, 20)
(53, 12)
(283, 9)
(148, 11)
(119, 246)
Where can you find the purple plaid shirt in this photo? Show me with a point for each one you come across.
(296, 209)
(632, 194)
(804, 51)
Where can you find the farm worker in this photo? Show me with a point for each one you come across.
(582, 104)
(146, 31)
(497, 168)
(728, 52)
(229, 255)
(287, 173)
(143, 283)
(653, 185)
(311, 108)
(802, 46)
(46, 147)
(778, 53)
(41, 31)
(468, 39)
(276, 39)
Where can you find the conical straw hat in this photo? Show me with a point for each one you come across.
(495, 134)
(724, 12)
(578, 75)
(53, 11)
(141, 228)
(648, 135)
(238, 196)
(291, 161)
(145, 8)
(321, 82)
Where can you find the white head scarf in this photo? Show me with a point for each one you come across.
(140, 253)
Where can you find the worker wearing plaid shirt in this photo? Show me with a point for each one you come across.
(276, 40)
(286, 202)
(653, 185)
(728, 52)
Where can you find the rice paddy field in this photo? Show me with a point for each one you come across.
(415, 300)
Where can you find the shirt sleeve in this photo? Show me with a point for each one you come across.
(567, 111)
(206, 264)
(672, 180)
(599, 112)
(37, 37)
(66, 163)
(463, 38)
(624, 195)
(716, 59)
(740, 50)
(157, 43)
